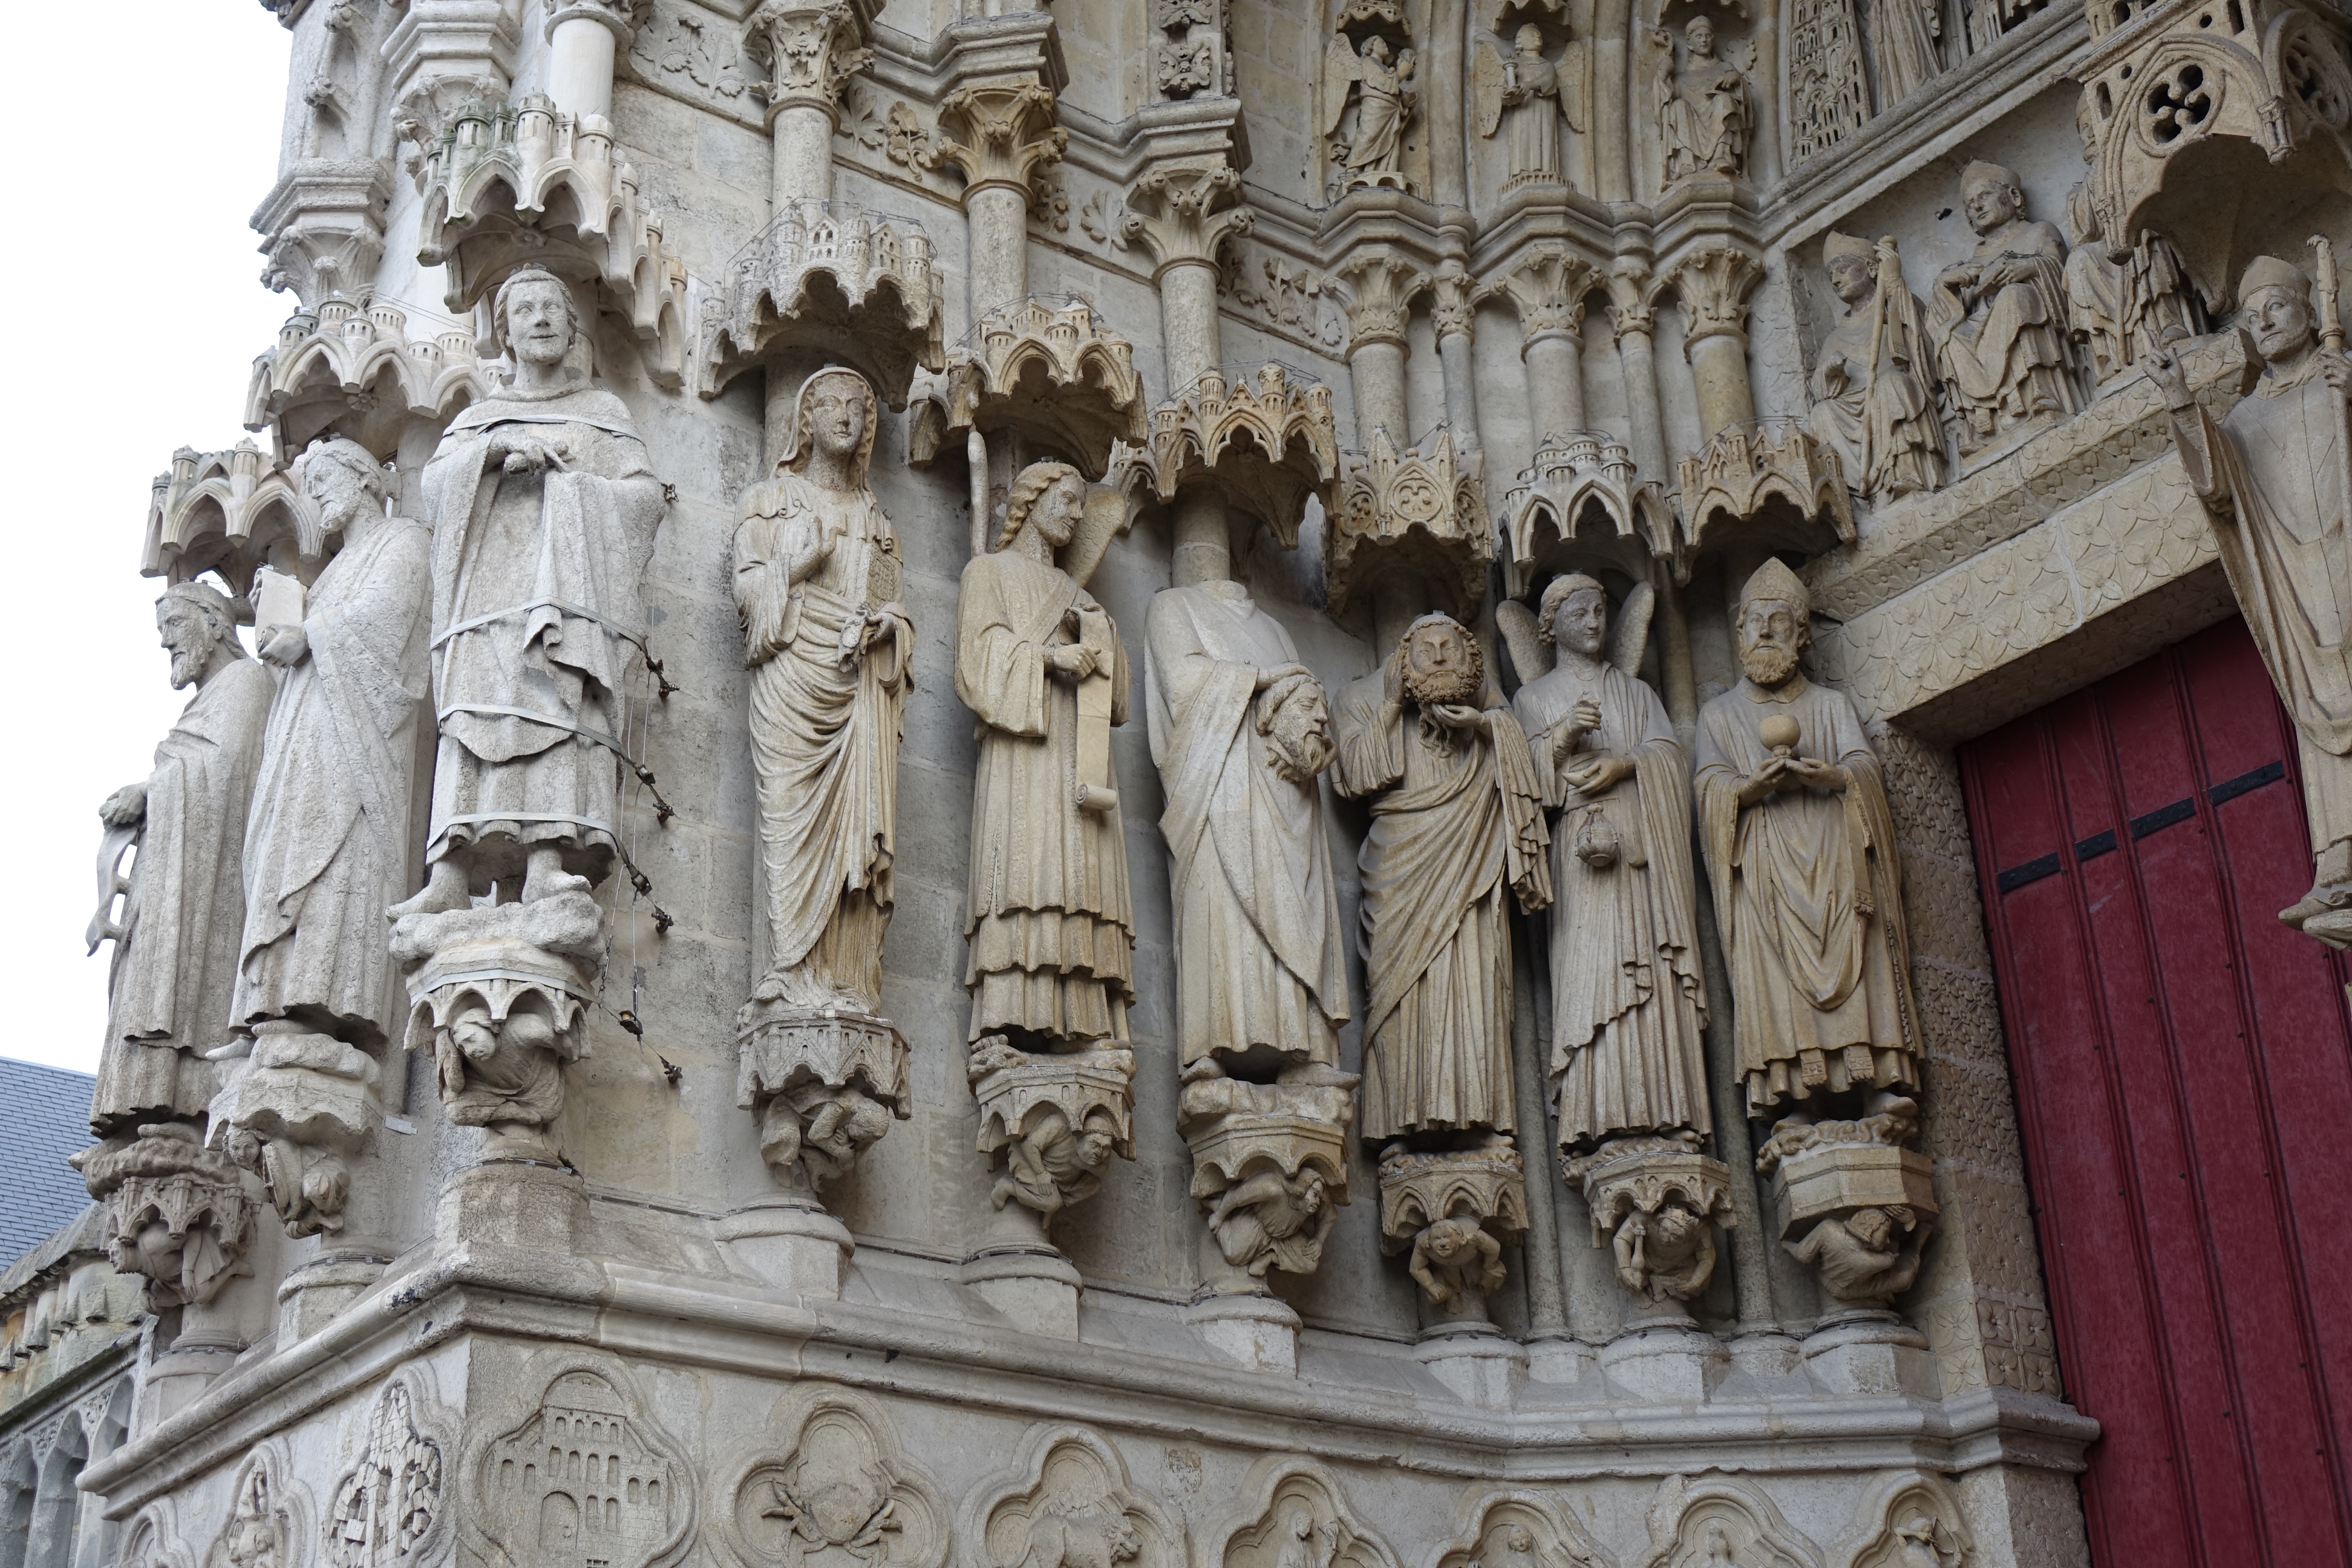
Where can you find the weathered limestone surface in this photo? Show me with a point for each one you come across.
(884, 1102)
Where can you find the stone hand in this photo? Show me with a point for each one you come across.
(2164, 369)
(1834, 374)
(285, 647)
(1458, 716)
(1599, 774)
(2337, 370)
(1814, 774)
(1072, 662)
(1771, 777)
(1587, 716)
(1280, 672)
(126, 807)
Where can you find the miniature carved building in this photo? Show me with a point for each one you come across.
(1216, 784)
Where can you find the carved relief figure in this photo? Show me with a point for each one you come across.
(1861, 1259)
(176, 950)
(2276, 476)
(2124, 311)
(387, 1509)
(1705, 111)
(1873, 387)
(1628, 1001)
(1526, 96)
(1240, 732)
(1457, 829)
(543, 511)
(1048, 919)
(1999, 318)
(1903, 35)
(1801, 850)
(1379, 78)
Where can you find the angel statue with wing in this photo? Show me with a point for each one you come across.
(1382, 81)
(1628, 1003)
(1526, 96)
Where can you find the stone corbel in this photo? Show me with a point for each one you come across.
(811, 48)
(1418, 515)
(999, 134)
(1453, 1212)
(1269, 1164)
(1853, 1200)
(1730, 485)
(323, 228)
(358, 373)
(1049, 370)
(1655, 1203)
(445, 54)
(176, 1211)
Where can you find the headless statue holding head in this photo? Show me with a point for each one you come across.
(543, 510)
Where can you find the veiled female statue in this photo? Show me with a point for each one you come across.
(827, 642)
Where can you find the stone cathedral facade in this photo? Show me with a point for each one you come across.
(1186, 784)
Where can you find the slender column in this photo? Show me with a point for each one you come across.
(1713, 285)
(811, 49)
(584, 37)
(1613, 143)
(1385, 286)
(1000, 132)
(1454, 314)
(1547, 289)
(1449, 177)
(1188, 322)
(1547, 1295)
(1184, 213)
(1633, 315)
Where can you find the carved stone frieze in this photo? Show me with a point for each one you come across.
(695, 53)
(1713, 1521)
(859, 285)
(356, 372)
(1068, 1502)
(1269, 1166)
(581, 1447)
(1047, 368)
(511, 183)
(323, 228)
(1916, 1521)
(176, 1211)
(810, 49)
(1422, 512)
(1574, 491)
(1769, 481)
(269, 1519)
(1292, 1513)
(1520, 1529)
(152, 1539)
(826, 1482)
(391, 1508)
(1265, 437)
(1290, 298)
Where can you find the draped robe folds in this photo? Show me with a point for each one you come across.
(535, 600)
(1047, 915)
(1882, 426)
(2004, 350)
(1459, 827)
(1903, 47)
(2272, 476)
(175, 966)
(1628, 1002)
(1379, 120)
(1809, 897)
(1704, 119)
(824, 737)
(1532, 125)
(1259, 959)
(328, 848)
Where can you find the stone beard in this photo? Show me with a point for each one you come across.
(827, 642)
(543, 511)
(174, 965)
(1048, 921)
(328, 844)
(1261, 962)
(1808, 891)
(1457, 828)
(1628, 1003)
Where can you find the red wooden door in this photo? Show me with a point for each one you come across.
(2183, 1066)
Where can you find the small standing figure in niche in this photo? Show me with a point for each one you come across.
(2000, 317)
(1526, 96)
(1382, 81)
(1873, 387)
(1705, 111)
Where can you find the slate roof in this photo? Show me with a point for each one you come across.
(44, 1117)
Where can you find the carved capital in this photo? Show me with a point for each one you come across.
(1713, 284)
(323, 228)
(621, 18)
(1633, 303)
(1455, 302)
(998, 133)
(1547, 290)
(1186, 213)
(811, 49)
(1382, 288)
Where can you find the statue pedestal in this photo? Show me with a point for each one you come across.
(309, 1296)
(1259, 1331)
(526, 1204)
(1476, 1361)
(1269, 1166)
(1454, 1210)
(793, 1245)
(1020, 1273)
(1857, 1213)
(1665, 1359)
(1869, 1352)
(1656, 1202)
(823, 1083)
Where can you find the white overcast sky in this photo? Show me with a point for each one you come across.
(135, 311)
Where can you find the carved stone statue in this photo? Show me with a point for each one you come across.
(544, 511)
(1525, 96)
(828, 642)
(1999, 318)
(175, 949)
(1867, 1259)
(1381, 80)
(1903, 35)
(2276, 476)
(2124, 311)
(1705, 110)
(1873, 385)
(1801, 850)
(328, 848)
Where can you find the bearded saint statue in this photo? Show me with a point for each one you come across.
(1628, 1000)
(1801, 849)
(827, 640)
(1240, 731)
(1457, 828)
